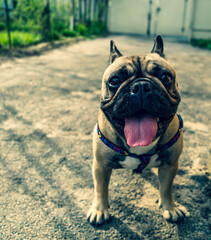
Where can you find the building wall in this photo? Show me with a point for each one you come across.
(127, 16)
(172, 18)
(200, 22)
(188, 18)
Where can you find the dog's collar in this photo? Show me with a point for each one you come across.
(145, 158)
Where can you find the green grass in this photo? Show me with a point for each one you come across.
(19, 39)
(203, 43)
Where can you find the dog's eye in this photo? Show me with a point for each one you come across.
(114, 82)
(164, 77)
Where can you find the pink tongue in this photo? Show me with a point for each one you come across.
(140, 130)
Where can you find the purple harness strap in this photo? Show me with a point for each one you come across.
(145, 158)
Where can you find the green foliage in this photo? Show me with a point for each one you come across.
(203, 43)
(97, 28)
(33, 21)
(2, 26)
(60, 14)
(82, 29)
(59, 26)
(20, 39)
(69, 33)
(27, 14)
(19, 26)
(55, 35)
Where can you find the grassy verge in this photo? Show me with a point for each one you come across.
(203, 43)
(19, 39)
(25, 38)
(28, 43)
(36, 49)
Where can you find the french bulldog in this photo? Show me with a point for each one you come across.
(138, 127)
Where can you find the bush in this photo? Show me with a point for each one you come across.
(58, 26)
(69, 33)
(82, 29)
(98, 28)
(27, 15)
(203, 43)
(24, 27)
(55, 35)
(94, 28)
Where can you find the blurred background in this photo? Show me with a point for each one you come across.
(27, 22)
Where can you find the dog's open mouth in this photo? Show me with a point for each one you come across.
(141, 129)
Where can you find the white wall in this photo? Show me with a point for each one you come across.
(130, 16)
(200, 19)
(170, 18)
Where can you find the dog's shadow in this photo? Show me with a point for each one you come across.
(121, 227)
(146, 223)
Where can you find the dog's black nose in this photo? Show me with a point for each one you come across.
(136, 88)
(139, 87)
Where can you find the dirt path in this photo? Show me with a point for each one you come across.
(48, 108)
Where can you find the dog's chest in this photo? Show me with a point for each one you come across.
(133, 163)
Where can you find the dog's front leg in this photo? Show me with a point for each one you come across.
(172, 212)
(98, 213)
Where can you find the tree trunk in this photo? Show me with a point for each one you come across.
(85, 11)
(89, 12)
(80, 10)
(46, 22)
(106, 12)
(8, 22)
(95, 10)
(72, 16)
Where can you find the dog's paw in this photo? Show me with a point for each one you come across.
(176, 214)
(97, 217)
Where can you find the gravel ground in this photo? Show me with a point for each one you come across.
(48, 108)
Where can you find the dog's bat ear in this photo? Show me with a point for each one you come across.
(114, 52)
(158, 46)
